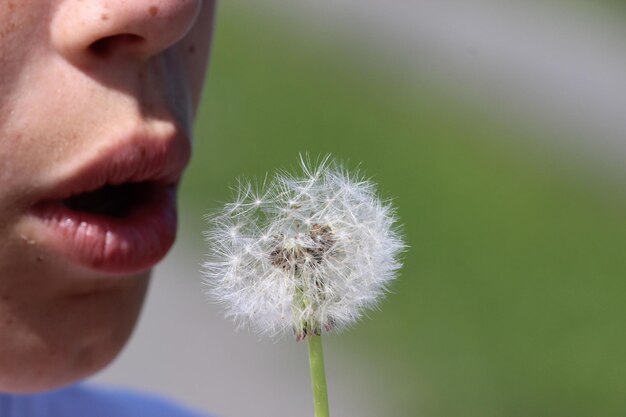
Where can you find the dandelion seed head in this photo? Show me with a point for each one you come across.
(313, 253)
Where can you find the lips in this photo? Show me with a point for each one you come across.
(116, 213)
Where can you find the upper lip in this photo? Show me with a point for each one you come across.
(136, 158)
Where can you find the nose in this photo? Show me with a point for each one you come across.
(133, 28)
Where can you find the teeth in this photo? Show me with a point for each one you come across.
(111, 200)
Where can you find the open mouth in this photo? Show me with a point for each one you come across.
(115, 201)
(123, 228)
(116, 211)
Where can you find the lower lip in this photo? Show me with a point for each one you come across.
(131, 244)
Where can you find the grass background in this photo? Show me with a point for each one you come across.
(511, 301)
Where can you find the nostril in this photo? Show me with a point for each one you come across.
(103, 47)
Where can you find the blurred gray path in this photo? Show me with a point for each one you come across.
(550, 62)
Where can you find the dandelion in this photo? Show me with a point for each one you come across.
(304, 254)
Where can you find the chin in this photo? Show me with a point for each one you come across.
(64, 337)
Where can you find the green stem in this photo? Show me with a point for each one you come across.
(318, 376)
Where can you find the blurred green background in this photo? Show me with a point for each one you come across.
(511, 300)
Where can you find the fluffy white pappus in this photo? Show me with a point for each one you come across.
(302, 253)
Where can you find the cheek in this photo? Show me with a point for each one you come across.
(11, 33)
(23, 40)
(23, 34)
(26, 152)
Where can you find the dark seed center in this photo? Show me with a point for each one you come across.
(287, 258)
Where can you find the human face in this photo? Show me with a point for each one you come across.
(97, 99)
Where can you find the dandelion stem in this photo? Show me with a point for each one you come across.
(318, 376)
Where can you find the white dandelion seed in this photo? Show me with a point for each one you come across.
(302, 253)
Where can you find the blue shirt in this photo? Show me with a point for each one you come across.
(86, 400)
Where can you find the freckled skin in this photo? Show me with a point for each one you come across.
(60, 102)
